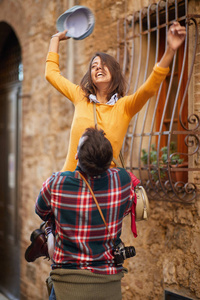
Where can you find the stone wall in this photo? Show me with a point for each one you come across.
(168, 245)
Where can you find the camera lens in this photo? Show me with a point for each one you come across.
(130, 251)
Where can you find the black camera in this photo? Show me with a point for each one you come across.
(121, 253)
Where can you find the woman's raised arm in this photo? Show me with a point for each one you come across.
(55, 39)
(175, 37)
(52, 70)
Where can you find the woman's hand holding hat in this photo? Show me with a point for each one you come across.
(61, 35)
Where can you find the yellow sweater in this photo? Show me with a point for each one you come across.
(113, 119)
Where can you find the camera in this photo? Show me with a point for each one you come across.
(121, 253)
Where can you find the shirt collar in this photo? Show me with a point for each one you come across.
(78, 168)
(112, 100)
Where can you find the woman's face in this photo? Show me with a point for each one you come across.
(100, 74)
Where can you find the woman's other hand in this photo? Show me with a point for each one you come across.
(176, 36)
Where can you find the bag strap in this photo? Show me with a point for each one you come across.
(95, 115)
(121, 159)
(96, 126)
(97, 204)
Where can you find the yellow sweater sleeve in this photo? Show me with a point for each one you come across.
(52, 73)
(134, 103)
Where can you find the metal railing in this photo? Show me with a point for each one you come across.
(140, 38)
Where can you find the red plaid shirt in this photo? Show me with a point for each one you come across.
(82, 240)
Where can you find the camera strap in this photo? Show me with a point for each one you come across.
(97, 204)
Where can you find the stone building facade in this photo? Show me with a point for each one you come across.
(34, 133)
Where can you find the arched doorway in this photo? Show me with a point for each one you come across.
(11, 76)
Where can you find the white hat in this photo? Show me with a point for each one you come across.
(78, 20)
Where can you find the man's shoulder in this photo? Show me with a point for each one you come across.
(119, 170)
(122, 173)
(63, 175)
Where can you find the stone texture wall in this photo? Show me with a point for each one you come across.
(168, 245)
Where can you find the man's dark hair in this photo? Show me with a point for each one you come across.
(95, 153)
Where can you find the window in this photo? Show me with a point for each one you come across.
(164, 134)
(169, 95)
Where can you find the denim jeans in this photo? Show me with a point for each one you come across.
(52, 295)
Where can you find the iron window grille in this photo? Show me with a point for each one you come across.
(141, 37)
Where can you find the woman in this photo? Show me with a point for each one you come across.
(103, 84)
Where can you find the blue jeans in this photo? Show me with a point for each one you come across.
(52, 295)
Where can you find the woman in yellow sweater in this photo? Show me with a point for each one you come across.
(103, 84)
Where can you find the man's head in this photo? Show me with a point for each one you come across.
(94, 152)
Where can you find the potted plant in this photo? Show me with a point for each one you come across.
(152, 158)
(173, 159)
(153, 163)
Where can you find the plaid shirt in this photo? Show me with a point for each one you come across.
(82, 240)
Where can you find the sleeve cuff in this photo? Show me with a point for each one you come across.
(161, 70)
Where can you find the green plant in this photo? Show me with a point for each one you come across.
(152, 158)
(173, 159)
(164, 159)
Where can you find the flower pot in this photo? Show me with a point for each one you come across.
(180, 172)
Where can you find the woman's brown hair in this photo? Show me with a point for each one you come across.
(117, 84)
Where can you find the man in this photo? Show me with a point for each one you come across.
(84, 265)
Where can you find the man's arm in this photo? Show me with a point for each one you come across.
(43, 201)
